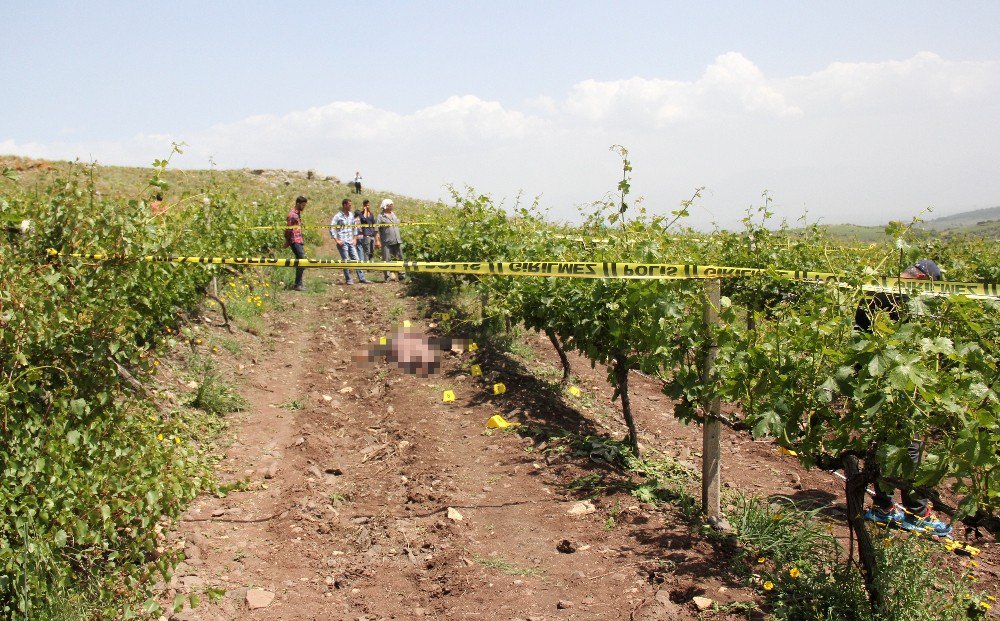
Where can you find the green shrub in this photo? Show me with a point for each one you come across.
(89, 473)
(802, 572)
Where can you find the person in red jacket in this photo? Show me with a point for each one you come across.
(293, 238)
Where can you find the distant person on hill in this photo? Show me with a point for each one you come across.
(344, 230)
(915, 514)
(392, 243)
(293, 238)
(368, 241)
(357, 182)
(156, 206)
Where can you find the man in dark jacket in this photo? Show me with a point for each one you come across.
(367, 241)
(915, 513)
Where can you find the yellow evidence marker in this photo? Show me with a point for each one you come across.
(406, 323)
(476, 371)
(448, 396)
(497, 422)
(473, 347)
(499, 388)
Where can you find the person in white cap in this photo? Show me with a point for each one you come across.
(392, 243)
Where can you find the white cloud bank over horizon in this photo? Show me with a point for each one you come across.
(853, 142)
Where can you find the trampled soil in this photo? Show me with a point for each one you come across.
(354, 471)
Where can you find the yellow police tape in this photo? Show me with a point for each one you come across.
(588, 270)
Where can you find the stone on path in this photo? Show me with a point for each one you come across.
(702, 603)
(583, 507)
(259, 598)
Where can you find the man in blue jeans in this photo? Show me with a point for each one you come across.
(294, 240)
(344, 231)
(914, 514)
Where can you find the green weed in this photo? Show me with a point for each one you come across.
(212, 395)
(231, 345)
(507, 568)
(239, 485)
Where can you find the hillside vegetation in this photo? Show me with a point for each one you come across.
(94, 470)
(983, 223)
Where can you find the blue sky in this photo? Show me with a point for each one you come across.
(530, 95)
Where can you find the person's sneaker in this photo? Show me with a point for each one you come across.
(349, 282)
(891, 517)
(365, 282)
(299, 288)
(926, 524)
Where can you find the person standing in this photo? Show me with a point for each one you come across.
(368, 240)
(344, 230)
(392, 243)
(293, 238)
(915, 514)
(357, 182)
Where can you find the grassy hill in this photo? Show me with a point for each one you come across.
(268, 186)
(976, 223)
(978, 219)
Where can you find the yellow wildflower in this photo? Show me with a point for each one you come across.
(794, 572)
(159, 436)
(768, 585)
(761, 560)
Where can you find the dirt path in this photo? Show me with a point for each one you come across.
(355, 470)
(350, 516)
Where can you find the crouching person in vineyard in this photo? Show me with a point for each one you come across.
(915, 513)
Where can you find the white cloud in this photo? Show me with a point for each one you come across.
(731, 86)
(858, 142)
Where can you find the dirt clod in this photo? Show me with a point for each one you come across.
(566, 546)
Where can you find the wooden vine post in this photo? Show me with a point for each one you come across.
(214, 285)
(712, 429)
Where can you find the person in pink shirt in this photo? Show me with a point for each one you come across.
(294, 240)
